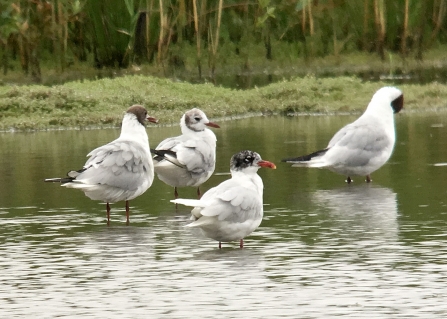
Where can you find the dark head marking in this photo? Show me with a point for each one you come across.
(398, 104)
(192, 117)
(243, 159)
(140, 112)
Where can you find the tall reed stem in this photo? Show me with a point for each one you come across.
(161, 34)
(215, 41)
(196, 28)
(403, 45)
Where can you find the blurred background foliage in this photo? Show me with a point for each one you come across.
(180, 33)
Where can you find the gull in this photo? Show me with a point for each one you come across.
(233, 209)
(188, 159)
(120, 170)
(363, 146)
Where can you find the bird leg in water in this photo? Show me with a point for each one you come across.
(127, 212)
(349, 180)
(220, 245)
(368, 179)
(108, 213)
(175, 196)
(198, 193)
(241, 243)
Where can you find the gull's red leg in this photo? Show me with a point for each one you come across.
(127, 212)
(108, 213)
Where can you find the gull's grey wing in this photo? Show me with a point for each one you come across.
(340, 134)
(166, 155)
(231, 202)
(169, 143)
(356, 144)
(120, 164)
(196, 155)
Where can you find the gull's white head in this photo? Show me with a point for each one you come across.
(248, 161)
(387, 98)
(196, 121)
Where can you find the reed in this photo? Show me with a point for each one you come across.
(111, 29)
(111, 33)
(214, 39)
(198, 37)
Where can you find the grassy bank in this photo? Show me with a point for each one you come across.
(102, 102)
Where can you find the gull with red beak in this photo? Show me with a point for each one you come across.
(120, 170)
(188, 159)
(233, 209)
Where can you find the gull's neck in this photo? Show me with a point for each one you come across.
(249, 174)
(205, 134)
(131, 129)
(380, 105)
(380, 110)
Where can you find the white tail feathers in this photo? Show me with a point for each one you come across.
(200, 222)
(317, 163)
(189, 202)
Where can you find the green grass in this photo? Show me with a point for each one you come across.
(101, 103)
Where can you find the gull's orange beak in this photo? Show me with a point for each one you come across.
(212, 124)
(152, 119)
(267, 164)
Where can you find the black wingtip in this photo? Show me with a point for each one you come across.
(52, 180)
(304, 158)
(59, 180)
(71, 176)
(162, 153)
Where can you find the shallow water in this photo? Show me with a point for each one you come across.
(324, 249)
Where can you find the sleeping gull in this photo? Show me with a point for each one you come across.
(363, 146)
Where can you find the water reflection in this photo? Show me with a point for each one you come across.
(360, 211)
(324, 248)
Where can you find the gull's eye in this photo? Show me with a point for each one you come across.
(197, 119)
(247, 159)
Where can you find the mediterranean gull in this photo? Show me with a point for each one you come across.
(233, 209)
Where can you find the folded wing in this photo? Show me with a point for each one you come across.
(117, 164)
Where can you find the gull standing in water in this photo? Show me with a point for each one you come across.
(121, 170)
(363, 146)
(233, 209)
(188, 159)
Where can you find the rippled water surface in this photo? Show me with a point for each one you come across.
(325, 248)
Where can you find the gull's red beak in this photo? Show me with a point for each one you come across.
(152, 119)
(212, 124)
(267, 164)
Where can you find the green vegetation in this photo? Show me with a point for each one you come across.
(102, 102)
(64, 40)
(204, 36)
